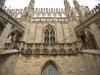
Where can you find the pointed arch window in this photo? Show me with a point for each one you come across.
(49, 35)
(50, 70)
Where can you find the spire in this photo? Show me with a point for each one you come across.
(67, 8)
(29, 10)
(31, 4)
(2, 2)
(67, 5)
(76, 4)
(77, 8)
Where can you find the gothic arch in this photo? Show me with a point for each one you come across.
(60, 22)
(40, 22)
(15, 31)
(49, 31)
(88, 39)
(13, 38)
(49, 25)
(50, 62)
(88, 30)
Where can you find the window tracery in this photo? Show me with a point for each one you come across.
(49, 35)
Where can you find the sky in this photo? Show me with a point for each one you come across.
(13, 4)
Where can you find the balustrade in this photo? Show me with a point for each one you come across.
(51, 49)
(46, 49)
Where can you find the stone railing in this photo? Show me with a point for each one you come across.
(53, 49)
(46, 49)
(49, 19)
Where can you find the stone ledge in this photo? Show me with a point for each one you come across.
(91, 51)
(88, 51)
(8, 52)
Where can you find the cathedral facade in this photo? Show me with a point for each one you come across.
(50, 41)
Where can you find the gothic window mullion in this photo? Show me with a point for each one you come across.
(49, 35)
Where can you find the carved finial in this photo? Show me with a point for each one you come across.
(2, 2)
(78, 9)
(30, 10)
(73, 14)
(31, 4)
(98, 7)
(67, 8)
(76, 4)
(87, 11)
(67, 5)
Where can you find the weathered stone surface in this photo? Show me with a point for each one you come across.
(35, 53)
(15, 64)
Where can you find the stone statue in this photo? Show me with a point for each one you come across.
(31, 4)
(67, 8)
(67, 5)
(73, 14)
(87, 11)
(95, 10)
(76, 4)
(30, 9)
(92, 11)
(78, 9)
(98, 7)
(2, 2)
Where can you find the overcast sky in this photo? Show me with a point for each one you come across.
(48, 3)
